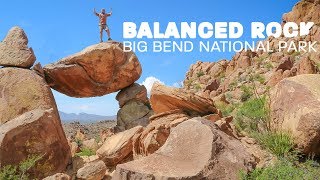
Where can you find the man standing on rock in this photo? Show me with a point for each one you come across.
(103, 22)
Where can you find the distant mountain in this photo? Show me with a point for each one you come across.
(83, 117)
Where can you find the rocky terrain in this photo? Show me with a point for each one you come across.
(253, 117)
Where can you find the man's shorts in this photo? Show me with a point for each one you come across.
(104, 27)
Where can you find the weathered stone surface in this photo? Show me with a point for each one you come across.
(195, 149)
(157, 132)
(30, 123)
(37, 132)
(95, 71)
(133, 113)
(118, 147)
(135, 91)
(14, 51)
(58, 176)
(92, 171)
(164, 99)
(295, 107)
(21, 91)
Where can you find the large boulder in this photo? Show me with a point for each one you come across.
(30, 123)
(157, 132)
(295, 107)
(92, 171)
(195, 149)
(95, 71)
(165, 99)
(118, 147)
(14, 51)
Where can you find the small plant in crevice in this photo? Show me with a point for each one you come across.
(85, 152)
(200, 73)
(19, 172)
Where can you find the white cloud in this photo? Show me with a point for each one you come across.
(149, 81)
(178, 84)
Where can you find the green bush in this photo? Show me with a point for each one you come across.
(200, 73)
(19, 172)
(252, 115)
(259, 78)
(225, 108)
(285, 170)
(85, 152)
(246, 93)
(278, 143)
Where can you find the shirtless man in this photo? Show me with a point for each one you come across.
(103, 22)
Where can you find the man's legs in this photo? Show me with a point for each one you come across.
(108, 33)
(101, 33)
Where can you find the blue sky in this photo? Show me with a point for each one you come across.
(60, 28)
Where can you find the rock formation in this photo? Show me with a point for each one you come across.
(295, 107)
(164, 99)
(134, 107)
(14, 51)
(29, 119)
(95, 71)
(195, 149)
(92, 171)
(118, 147)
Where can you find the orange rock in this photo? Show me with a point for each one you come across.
(157, 132)
(30, 123)
(295, 108)
(95, 71)
(14, 51)
(164, 99)
(191, 148)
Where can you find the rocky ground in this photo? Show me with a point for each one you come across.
(90, 130)
(253, 117)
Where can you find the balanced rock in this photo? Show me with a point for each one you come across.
(14, 51)
(92, 171)
(118, 147)
(195, 149)
(95, 71)
(295, 108)
(30, 123)
(165, 99)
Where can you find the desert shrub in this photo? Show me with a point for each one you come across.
(252, 115)
(225, 108)
(200, 73)
(296, 53)
(285, 170)
(85, 152)
(278, 143)
(269, 66)
(262, 58)
(233, 85)
(259, 78)
(19, 172)
(246, 93)
(197, 87)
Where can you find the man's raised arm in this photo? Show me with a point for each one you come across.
(94, 12)
(110, 13)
